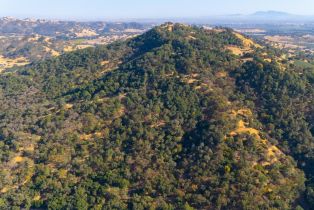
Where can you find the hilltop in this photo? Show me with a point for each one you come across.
(179, 117)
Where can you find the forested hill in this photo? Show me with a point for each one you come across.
(177, 118)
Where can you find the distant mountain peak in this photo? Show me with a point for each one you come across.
(271, 13)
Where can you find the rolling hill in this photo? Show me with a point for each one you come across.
(179, 117)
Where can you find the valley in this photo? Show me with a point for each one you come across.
(28, 40)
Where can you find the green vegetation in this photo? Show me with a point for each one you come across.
(303, 64)
(170, 119)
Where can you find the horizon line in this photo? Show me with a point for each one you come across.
(131, 19)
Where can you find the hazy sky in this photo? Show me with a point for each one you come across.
(122, 9)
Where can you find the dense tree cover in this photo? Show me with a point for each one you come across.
(284, 103)
(161, 121)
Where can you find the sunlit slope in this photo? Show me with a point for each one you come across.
(170, 119)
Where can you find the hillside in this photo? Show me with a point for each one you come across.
(70, 29)
(26, 41)
(177, 118)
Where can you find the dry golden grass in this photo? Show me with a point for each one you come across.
(221, 74)
(169, 74)
(54, 53)
(104, 62)
(86, 33)
(6, 63)
(158, 124)
(26, 180)
(34, 38)
(242, 112)
(122, 96)
(59, 158)
(250, 131)
(68, 49)
(170, 27)
(242, 125)
(28, 148)
(241, 128)
(17, 159)
(82, 46)
(272, 152)
(51, 51)
(107, 67)
(4, 190)
(246, 41)
(218, 30)
(86, 137)
(48, 40)
(247, 59)
(63, 173)
(190, 81)
(68, 106)
(11, 167)
(198, 87)
(37, 198)
(98, 134)
(248, 45)
(245, 112)
(191, 37)
(236, 50)
(76, 47)
(120, 112)
(106, 70)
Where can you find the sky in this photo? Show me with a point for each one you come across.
(141, 9)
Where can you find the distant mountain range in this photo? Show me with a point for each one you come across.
(254, 18)
(270, 16)
(276, 15)
(262, 17)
